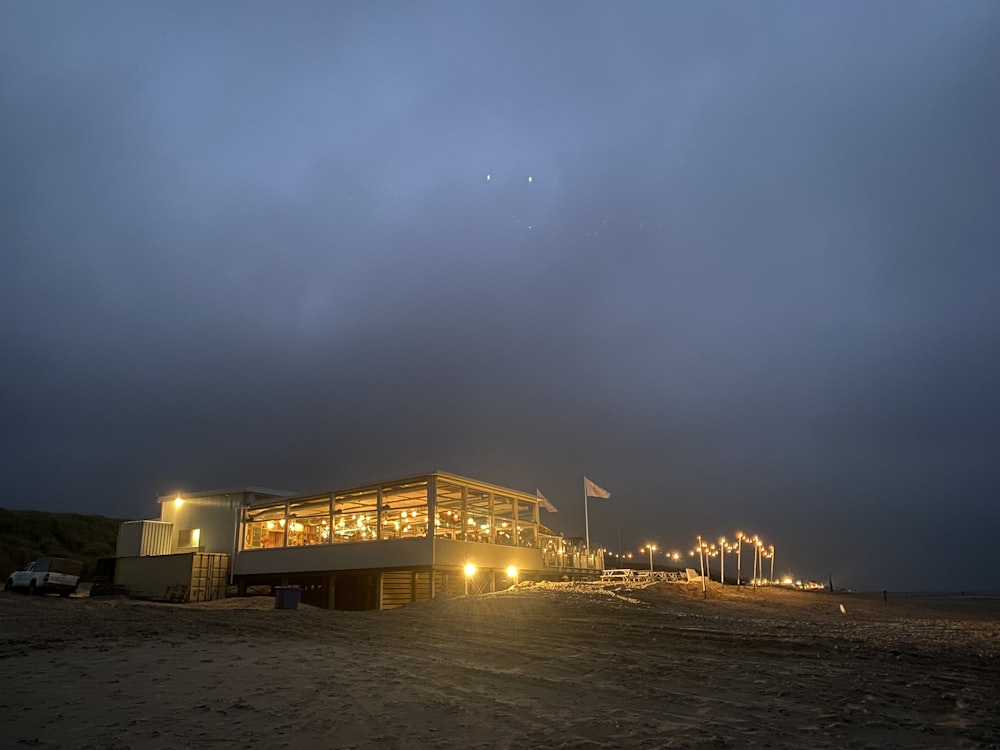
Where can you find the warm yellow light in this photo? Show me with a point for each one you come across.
(470, 570)
(178, 501)
(511, 571)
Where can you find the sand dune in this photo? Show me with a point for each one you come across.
(555, 666)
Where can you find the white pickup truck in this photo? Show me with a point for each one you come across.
(56, 574)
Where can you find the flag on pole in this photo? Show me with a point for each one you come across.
(593, 490)
(543, 501)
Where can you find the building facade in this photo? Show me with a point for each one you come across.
(381, 545)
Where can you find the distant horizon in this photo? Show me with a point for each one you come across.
(637, 565)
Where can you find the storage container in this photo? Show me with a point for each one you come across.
(139, 538)
(186, 577)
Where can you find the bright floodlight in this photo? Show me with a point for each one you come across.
(511, 571)
(178, 501)
(531, 179)
(470, 570)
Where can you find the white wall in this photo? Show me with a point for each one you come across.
(216, 517)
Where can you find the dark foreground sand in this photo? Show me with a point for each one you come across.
(562, 666)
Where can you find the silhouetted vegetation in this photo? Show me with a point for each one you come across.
(27, 534)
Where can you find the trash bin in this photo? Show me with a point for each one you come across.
(287, 597)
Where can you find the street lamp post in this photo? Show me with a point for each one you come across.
(756, 552)
(739, 554)
(702, 561)
(651, 548)
(772, 563)
(760, 563)
(760, 555)
(722, 556)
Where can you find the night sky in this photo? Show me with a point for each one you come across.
(737, 263)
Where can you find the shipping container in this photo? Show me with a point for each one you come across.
(186, 577)
(58, 565)
(139, 538)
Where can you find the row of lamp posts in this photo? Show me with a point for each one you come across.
(760, 551)
(705, 550)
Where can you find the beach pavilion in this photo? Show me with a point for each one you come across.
(380, 545)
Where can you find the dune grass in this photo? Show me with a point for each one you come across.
(28, 534)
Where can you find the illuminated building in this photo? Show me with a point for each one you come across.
(380, 545)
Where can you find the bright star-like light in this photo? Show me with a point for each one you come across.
(489, 177)
(531, 179)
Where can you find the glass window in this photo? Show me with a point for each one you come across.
(448, 511)
(478, 516)
(404, 511)
(309, 522)
(355, 517)
(551, 546)
(503, 519)
(264, 527)
(527, 527)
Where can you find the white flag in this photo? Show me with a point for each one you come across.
(546, 505)
(592, 490)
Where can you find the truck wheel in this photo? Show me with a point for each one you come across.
(32, 589)
(65, 594)
(9, 586)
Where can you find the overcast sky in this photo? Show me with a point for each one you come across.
(737, 263)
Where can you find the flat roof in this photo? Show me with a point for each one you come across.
(248, 490)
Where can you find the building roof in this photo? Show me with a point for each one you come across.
(247, 490)
(447, 476)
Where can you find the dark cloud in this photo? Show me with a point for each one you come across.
(750, 283)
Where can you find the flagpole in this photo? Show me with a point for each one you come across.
(586, 515)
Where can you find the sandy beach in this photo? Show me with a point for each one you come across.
(555, 666)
